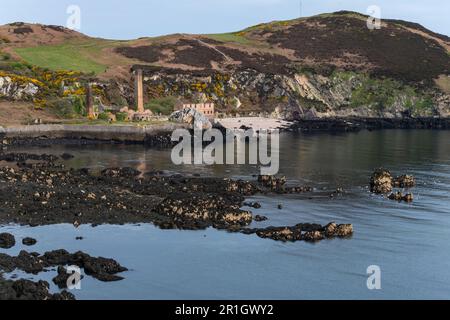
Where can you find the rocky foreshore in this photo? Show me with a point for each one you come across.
(45, 193)
(102, 269)
(36, 189)
(33, 263)
(359, 123)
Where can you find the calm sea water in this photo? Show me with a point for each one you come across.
(409, 242)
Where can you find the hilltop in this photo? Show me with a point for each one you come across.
(325, 62)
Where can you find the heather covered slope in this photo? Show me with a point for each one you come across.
(322, 43)
(325, 65)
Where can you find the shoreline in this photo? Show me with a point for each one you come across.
(87, 134)
(355, 124)
(160, 135)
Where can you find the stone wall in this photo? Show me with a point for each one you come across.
(114, 133)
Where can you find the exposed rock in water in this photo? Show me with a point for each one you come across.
(100, 268)
(278, 185)
(51, 195)
(255, 205)
(7, 240)
(29, 241)
(399, 196)
(404, 181)
(215, 209)
(381, 181)
(29, 290)
(304, 232)
(62, 277)
(22, 157)
(259, 218)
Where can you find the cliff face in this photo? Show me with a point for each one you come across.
(301, 95)
(323, 66)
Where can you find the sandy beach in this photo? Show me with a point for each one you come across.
(257, 123)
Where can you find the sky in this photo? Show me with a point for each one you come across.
(130, 19)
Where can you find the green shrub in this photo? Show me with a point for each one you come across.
(380, 94)
(426, 103)
(63, 107)
(162, 105)
(79, 105)
(121, 116)
(4, 56)
(21, 66)
(103, 116)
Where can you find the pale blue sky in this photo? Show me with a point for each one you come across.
(126, 19)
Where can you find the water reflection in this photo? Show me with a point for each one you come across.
(410, 242)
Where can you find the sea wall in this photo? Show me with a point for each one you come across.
(89, 132)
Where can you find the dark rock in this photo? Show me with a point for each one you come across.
(61, 279)
(404, 181)
(278, 185)
(66, 156)
(313, 236)
(255, 205)
(29, 290)
(49, 195)
(29, 241)
(259, 218)
(7, 240)
(399, 196)
(100, 268)
(304, 232)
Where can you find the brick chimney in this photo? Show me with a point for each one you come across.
(89, 102)
(139, 91)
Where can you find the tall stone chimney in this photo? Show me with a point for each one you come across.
(89, 101)
(139, 91)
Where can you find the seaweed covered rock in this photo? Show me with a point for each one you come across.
(381, 181)
(305, 232)
(399, 196)
(404, 181)
(272, 182)
(278, 185)
(190, 211)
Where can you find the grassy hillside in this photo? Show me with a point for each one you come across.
(63, 57)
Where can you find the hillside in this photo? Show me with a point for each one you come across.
(327, 63)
